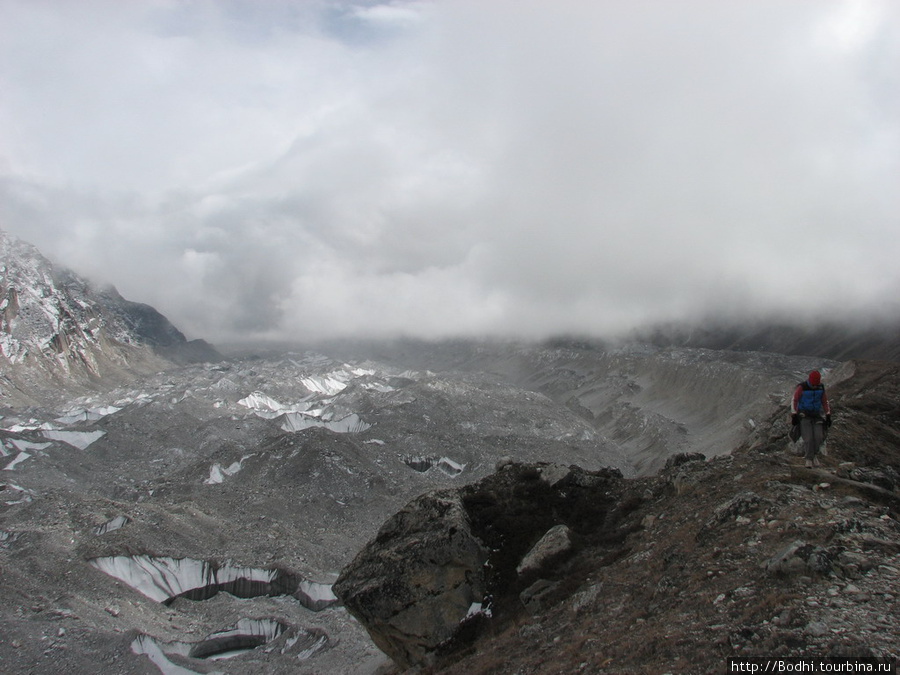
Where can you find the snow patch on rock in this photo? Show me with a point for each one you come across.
(218, 473)
(77, 415)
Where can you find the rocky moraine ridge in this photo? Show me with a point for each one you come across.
(562, 570)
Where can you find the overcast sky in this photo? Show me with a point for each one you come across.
(309, 168)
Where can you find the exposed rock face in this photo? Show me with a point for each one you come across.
(152, 329)
(557, 541)
(450, 552)
(55, 329)
(417, 580)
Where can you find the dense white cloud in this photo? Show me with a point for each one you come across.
(288, 169)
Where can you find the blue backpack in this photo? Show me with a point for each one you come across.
(810, 402)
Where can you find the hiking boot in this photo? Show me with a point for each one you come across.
(816, 461)
(809, 464)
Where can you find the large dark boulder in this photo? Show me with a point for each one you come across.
(450, 553)
(414, 584)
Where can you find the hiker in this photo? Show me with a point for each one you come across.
(811, 411)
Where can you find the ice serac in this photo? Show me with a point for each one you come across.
(78, 439)
(244, 636)
(112, 525)
(146, 645)
(316, 596)
(261, 402)
(247, 634)
(328, 384)
(351, 424)
(425, 464)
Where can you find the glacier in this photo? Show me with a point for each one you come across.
(164, 578)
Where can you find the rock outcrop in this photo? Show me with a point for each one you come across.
(455, 555)
(417, 581)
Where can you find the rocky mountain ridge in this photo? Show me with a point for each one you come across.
(59, 332)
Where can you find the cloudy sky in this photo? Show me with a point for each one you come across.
(308, 168)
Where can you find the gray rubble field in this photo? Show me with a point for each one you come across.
(194, 520)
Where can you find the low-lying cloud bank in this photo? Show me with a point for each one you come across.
(303, 170)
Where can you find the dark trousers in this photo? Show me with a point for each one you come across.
(812, 431)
